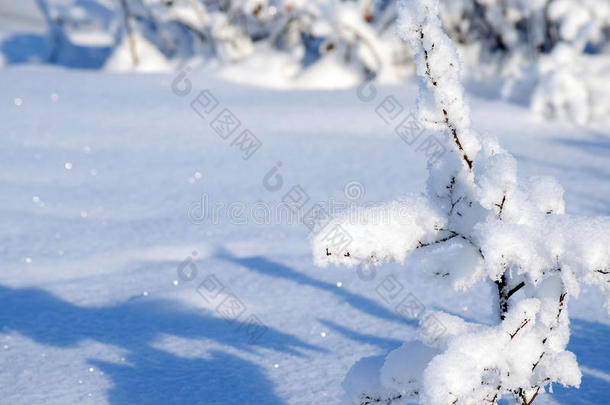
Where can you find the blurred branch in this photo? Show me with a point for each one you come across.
(129, 31)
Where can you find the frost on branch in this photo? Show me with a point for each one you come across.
(478, 222)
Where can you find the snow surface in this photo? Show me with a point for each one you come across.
(103, 176)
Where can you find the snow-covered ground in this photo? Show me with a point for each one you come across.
(103, 180)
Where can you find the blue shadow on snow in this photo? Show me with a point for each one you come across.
(150, 375)
(265, 266)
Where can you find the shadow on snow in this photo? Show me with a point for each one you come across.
(153, 376)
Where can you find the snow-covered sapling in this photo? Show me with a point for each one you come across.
(477, 222)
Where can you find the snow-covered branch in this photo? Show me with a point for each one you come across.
(383, 233)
